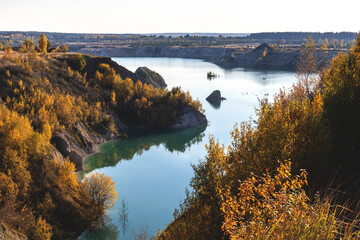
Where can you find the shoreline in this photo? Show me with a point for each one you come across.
(263, 57)
(96, 151)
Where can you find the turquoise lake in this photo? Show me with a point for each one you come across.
(152, 169)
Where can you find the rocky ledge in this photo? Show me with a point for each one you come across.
(66, 145)
(151, 77)
(190, 118)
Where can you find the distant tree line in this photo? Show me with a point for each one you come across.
(300, 36)
(331, 39)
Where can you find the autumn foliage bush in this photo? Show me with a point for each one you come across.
(40, 195)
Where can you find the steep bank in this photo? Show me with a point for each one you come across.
(257, 58)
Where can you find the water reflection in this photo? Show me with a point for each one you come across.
(108, 231)
(124, 217)
(141, 141)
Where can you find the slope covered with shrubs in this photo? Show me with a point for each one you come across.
(46, 94)
(249, 191)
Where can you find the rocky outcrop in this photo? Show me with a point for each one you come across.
(144, 74)
(265, 57)
(93, 62)
(56, 154)
(215, 96)
(151, 77)
(76, 150)
(68, 147)
(190, 118)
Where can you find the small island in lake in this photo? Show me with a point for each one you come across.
(210, 75)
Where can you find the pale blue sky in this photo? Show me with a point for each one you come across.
(159, 16)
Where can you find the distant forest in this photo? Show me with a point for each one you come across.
(300, 37)
(330, 39)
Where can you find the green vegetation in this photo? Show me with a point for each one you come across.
(247, 190)
(77, 62)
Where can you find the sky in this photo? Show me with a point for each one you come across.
(191, 16)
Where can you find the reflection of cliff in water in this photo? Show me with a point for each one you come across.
(141, 141)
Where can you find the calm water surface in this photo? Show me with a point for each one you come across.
(152, 169)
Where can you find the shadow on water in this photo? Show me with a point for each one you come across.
(140, 141)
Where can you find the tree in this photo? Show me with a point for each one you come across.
(48, 46)
(342, 109)
(1, 46)
(113, 97)
(77, 62)
(43, 42)
(43, 230)
(8, 48)
(101, 190)
(64, 48)
(27, 46)
(306, 67)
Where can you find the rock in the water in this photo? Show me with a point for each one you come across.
(215, 96)
(151, 77)
(190, 118)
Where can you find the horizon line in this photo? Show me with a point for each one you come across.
(167, 33)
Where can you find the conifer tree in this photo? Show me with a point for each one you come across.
(43, 42)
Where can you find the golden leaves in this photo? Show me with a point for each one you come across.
(66, 179)
(101, 190)
(43, 230)
(262, 203)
